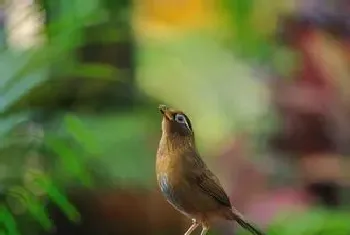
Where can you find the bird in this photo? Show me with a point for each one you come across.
(185, 180)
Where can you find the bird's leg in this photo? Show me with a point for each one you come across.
(192, 228)
(205, 229)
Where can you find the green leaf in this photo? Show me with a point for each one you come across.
(81, 134)
(9, 221)
(58, 197)
(33, 204)
(69, 159)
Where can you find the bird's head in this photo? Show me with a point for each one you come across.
(175, 123)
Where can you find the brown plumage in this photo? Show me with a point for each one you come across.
(185, 180)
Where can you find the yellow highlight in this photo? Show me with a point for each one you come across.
(174, 14)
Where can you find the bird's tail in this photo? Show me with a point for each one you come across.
(249, 227)
(238, 217)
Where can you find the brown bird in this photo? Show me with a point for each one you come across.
(185, 180)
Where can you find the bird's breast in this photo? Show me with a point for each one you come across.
(168, 162)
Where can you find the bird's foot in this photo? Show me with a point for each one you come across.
(192, 227)
(204, 230)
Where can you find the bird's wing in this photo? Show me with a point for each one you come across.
(208, 182)
(199, 174)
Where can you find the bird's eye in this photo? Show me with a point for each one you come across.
(180, 118)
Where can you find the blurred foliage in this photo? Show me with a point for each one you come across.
(253, 25)
(315, 221)
(84, 64)
(59, 70)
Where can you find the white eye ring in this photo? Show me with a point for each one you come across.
(180, 118)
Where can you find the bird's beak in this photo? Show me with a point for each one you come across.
(165, 111)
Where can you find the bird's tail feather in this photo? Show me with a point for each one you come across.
(234, 214)
(249, 227)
